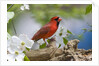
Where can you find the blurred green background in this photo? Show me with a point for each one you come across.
(75, 17)
(43, 12)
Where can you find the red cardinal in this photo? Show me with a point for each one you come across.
(47, 30)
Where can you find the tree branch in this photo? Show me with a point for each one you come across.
(10, 7)
(70, 52)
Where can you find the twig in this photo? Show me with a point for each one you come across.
(10, 7)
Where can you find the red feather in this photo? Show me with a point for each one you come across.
(47, 30)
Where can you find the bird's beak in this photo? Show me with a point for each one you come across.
(59, 19)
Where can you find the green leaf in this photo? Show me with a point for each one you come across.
(80, 36)
(15, 59)
(69, 32)
(60, 34)
(43, 45)
(90, 30)
(10, 15)
(48, 40)
(26, 58)
(8, 36)
(65, 40)
(88, 9)
(27, 48)
(59, 46)
(24, 52)
(84, 29)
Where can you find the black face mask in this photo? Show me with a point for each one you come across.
(57, 21)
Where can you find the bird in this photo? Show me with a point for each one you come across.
(48, 29)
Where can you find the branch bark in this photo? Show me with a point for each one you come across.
(70, 52)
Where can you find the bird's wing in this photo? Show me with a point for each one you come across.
(41, 33)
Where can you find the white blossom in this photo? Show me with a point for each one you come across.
(40, 41)
(10, 15)
(25, 41)
(25, 6)
(16, 46)
(61, 32)
(14, 50)
(15, 56)
(22, 8)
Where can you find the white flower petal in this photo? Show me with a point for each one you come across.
(12, 48)
(21, 48)
(59, 39)
(16, 40)
(22, 8)
(10, 15)
(10, 57)
(8, 42)
(40, 41)
(35, 46)
(28, 43)
(20, 57)
(64, 32)
(26, 6)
